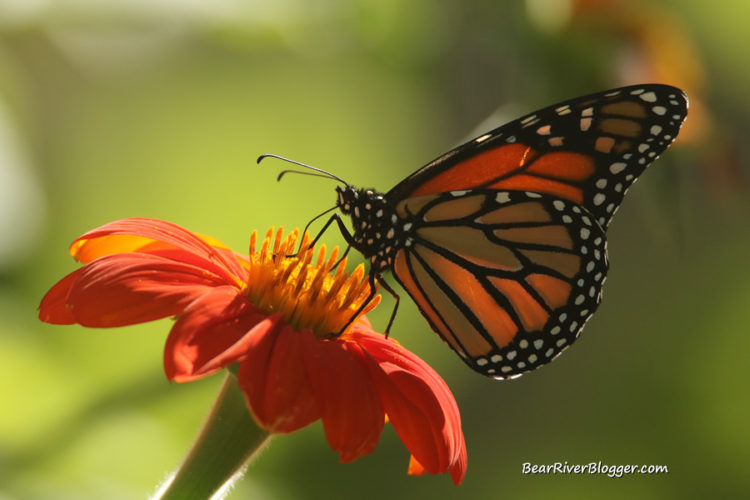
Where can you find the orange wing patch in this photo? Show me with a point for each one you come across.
(413, 205)
(472, 245)
(547, 235)
(493, 318)
(563, 165)
(530, 211)
(454, 209)
(625, 108)
(454, 323)
(525, 182)
(532, 315)
(477, 170)
(564, 263)
(554, 291)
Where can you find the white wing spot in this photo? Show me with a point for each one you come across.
(618, 167)
(502, 197)
(659, 110)
(649, 97)
(599, 198)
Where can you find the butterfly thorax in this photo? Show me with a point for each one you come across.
(378, 231)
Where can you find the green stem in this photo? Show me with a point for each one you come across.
(229, 439)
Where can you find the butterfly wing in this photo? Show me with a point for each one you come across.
(587, 150)
(506, 278)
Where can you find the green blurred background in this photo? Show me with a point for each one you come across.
(158, 109)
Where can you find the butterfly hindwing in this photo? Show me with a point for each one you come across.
(506, 278)
(587, 150)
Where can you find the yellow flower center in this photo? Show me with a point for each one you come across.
(307, 294)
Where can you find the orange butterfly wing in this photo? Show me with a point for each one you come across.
(506, 278)
(587, 150)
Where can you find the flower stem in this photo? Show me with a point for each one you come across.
(229, 439)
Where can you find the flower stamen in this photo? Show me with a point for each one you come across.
(323, 302)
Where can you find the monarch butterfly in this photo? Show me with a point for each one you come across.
(501, 241)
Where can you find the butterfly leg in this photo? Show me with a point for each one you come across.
(307, 226)
(335, 217)
(393, 293)
(373, 290)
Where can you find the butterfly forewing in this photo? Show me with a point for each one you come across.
(587, 150)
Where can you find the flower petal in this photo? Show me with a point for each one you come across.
(142, 234)
(353, 417)
(275, 380)
(209, 334)
(419, 405)
(54, 306)
(124, 289)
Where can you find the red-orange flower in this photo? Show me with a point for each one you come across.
(274, 316)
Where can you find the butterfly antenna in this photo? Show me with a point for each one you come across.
(320, 171)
